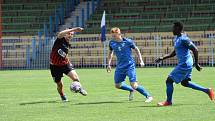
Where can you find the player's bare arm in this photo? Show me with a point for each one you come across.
(194, 49)
(172, 54)
(67, 31)
(139, 56)
(110, 56)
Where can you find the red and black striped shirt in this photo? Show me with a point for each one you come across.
(59, 52)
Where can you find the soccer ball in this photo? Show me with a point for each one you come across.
(75, 87)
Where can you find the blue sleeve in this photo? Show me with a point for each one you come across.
(187, 43)
(110, 48)
(131, 43)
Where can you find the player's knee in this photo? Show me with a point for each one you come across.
(59, 84)
(169, 80)
(184, 83)
(134, 85)
(118, 86)
(75, 78)
(73, 75)
(57, 79)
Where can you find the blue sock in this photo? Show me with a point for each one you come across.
(142, 91)
(126, 87)
(169, 91)
(197, 87)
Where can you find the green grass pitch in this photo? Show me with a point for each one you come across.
(31, 95)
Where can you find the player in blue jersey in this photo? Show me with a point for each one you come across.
(182, 72)
(122, 47)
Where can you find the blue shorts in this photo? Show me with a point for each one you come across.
(178, 75)
(120, 75)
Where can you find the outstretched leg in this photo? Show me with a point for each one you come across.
(140, 89)
(133, 82)
(74, 76)
(123, 86)
(188, 83)
(119, 78)
(126, 87)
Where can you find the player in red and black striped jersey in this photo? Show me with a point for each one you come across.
(59, 61)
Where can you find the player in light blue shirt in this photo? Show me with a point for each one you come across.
(182, 72)
(122, 47)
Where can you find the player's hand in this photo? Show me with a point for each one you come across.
(142, 64)
(158, 60)
(109, 69)
(198, 67)
(79, 29)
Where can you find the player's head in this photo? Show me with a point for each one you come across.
(177, 28)
(115, 32)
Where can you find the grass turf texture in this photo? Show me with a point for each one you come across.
(31, 95)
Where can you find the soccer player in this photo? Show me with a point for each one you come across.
(122, 47)
(182, 72)
(59, 61)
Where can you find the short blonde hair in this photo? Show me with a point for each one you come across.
(115, 30)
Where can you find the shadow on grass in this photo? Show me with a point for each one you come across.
(145, 106)
(155, 106)
(106, 102)
(38, 102)
(187, 104)
(98, 103)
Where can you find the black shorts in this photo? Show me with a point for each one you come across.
(58, 71)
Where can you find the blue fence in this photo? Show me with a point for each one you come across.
(87, 51)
